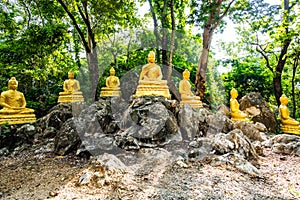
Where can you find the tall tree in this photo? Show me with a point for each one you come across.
(166, 15)
(271, 30)
(208, 15)
(91, 18)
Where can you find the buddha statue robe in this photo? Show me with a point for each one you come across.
(150, 82)
(288, 124)
(187, 97)
(14, 106)
(71, 91)
(112, 85)
(236, 113)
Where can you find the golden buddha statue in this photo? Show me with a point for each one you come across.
(185, 92)
(112, 85)
(236, 114)
(151, 83)
(288, 124)
(71, 91)
(14, 106)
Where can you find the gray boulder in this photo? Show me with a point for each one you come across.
(67, 139)
(218, 123)
(189, 122)
(265, 116)
(49, 125)
(250, 130)
(236, 142)
(150, 121)
(285, 144)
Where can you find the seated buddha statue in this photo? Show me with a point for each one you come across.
(112, 85)
(185, 92)
(150, 82)
(288, 124)
(236, 113)
(71, 91)
(14, 106)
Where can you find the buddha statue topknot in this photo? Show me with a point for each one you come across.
(151, 83)
(112, 85)
(288, 124)
(14, 106)
(236, 113)
(187, 97)
(71, 91)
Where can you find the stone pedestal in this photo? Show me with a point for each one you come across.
(17, 118)
(243, 119)
(110, 92)
(63, 98)
(290, 129)
(192, 102)
(152, 88)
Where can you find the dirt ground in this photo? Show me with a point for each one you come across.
(27, 176)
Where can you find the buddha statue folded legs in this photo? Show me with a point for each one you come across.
(71, 91)
(187, 97)
(150, 82)
(112, 85)
(288, 124)
(236, 113)
(14, 106)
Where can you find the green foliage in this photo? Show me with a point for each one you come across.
(215, 90)
(248, 75)
(4, 129)
(34, 49)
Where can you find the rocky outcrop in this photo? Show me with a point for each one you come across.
(284, 144)
(67, 139)
(189, 121)
(251, 130)
(218, 123)
(49, 125)
(150, 121)
(265, 115)
(111, 125)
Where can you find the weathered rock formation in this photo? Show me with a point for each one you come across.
(253, 102)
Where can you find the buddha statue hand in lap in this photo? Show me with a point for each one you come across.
(289, 125)
(236, 113)
(151, 71)
(112, 85)
(14, 106)
(150, 81)
(71, 91)
(185, 91)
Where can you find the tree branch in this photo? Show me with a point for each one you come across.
(226, 10)
(85, 44)
(262, 52)
(28, 11)
(88, 24)
(154, 20)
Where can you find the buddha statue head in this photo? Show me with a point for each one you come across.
(284, 100)
(112, 71)
(13, 83)
(70, 75)
(186, 74)
(234, 93)
(151, 57)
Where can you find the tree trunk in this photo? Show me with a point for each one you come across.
(92, 59)
(278, 71)
(202, 64)
(170, 68)
(295, 65)
(293, 92)
(277, 87)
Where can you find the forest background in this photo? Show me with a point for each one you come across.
(41, 40)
